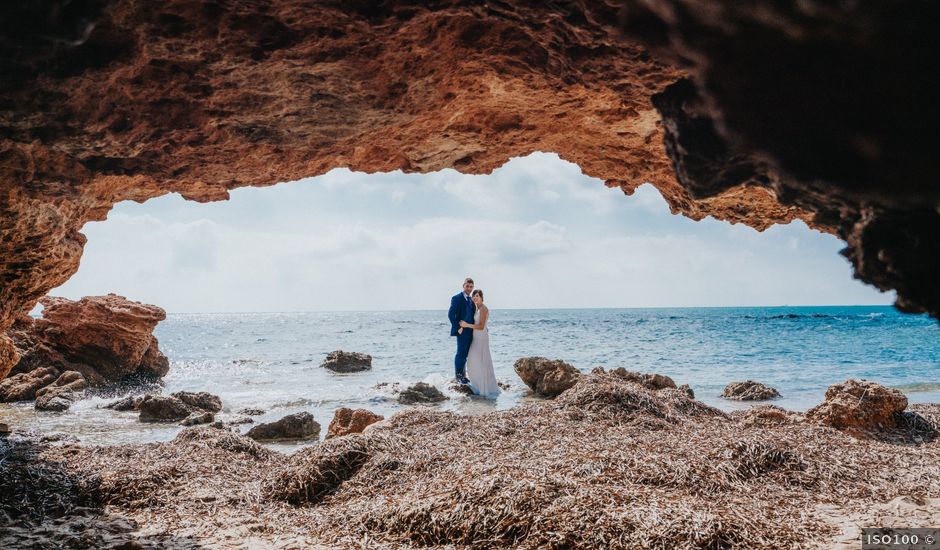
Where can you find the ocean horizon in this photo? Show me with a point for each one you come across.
(271, 360)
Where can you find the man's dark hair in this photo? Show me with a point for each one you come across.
(468, 280)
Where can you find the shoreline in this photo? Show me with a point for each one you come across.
(607, 460)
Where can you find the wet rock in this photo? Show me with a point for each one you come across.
(545, 376)
(421, 393)
(749, 390)
(105, 338)
(859, 407)
(348, 421)
(196, 418)
(460, 388)
(252, 412)
(5, 428)
(200, 400)
(162, 408)
(298, 426)
(687, 390)
(131, 403)
(239, 420)
(60, 395)
(23, 387)
(345, 361)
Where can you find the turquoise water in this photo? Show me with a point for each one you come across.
(271, 360)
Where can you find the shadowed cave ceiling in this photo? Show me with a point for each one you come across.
(753, 112)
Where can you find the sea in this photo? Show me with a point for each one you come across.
(271, 361)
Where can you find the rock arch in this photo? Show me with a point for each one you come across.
(110, 100)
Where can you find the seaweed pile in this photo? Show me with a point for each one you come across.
(608, 463)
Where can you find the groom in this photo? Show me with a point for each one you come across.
(462, 309)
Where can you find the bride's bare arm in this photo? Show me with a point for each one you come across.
(484, 315)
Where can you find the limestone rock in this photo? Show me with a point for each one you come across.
(130, 403)
(297, 426)
(749, 390)
(647, 380)
(346, 361)
(162, 408)
(545, 376)
(859, 407)
(201, 400)
(23, 387)
(421, 393)
(196, 418)
(105, 338)
(60, 395)
(348, 421)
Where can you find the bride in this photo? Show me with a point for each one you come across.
(479, 362)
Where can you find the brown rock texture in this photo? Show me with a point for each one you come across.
(347, 361)
(348, 421)
(860, 407)
(297, 426)
(546, 377)
(23, 386)
(105, 338)
(648, 380)
(162, 408)
(59, 395)
(421, 393)
(749, 390)
(112, 100)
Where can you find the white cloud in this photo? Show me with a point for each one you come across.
(537, 233)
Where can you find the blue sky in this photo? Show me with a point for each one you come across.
(535, 233)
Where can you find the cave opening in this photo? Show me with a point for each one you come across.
(260, 288)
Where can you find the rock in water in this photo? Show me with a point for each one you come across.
(421, 393)
(105, 338)
(202, 417)
(651, 381)
(201, 400)
(162, 408)
(60, 395)
(131, 403)
(346, 361)
(749, 390)
(348, 421)
(546, 377)
(23, 386)
(296, 426)
(859, 407)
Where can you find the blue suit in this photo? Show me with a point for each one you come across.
(461, 309)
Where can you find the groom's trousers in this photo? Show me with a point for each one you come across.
(463, 348)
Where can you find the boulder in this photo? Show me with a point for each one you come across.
(196, 418)
(346, 361)
(545, 376)
(60, 395)
(200, 400)
(647, 380)
(348, 421)
(297, 426)
(686, 389)
(105, 338)
(23, 386)
(860, 407)
(749, 390)
(421, 393)
(163, 408)
(130, 403)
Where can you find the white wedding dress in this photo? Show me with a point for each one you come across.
(480, 363)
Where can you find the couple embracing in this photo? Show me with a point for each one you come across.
(473, 365)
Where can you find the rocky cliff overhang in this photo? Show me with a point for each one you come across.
(754, 113)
